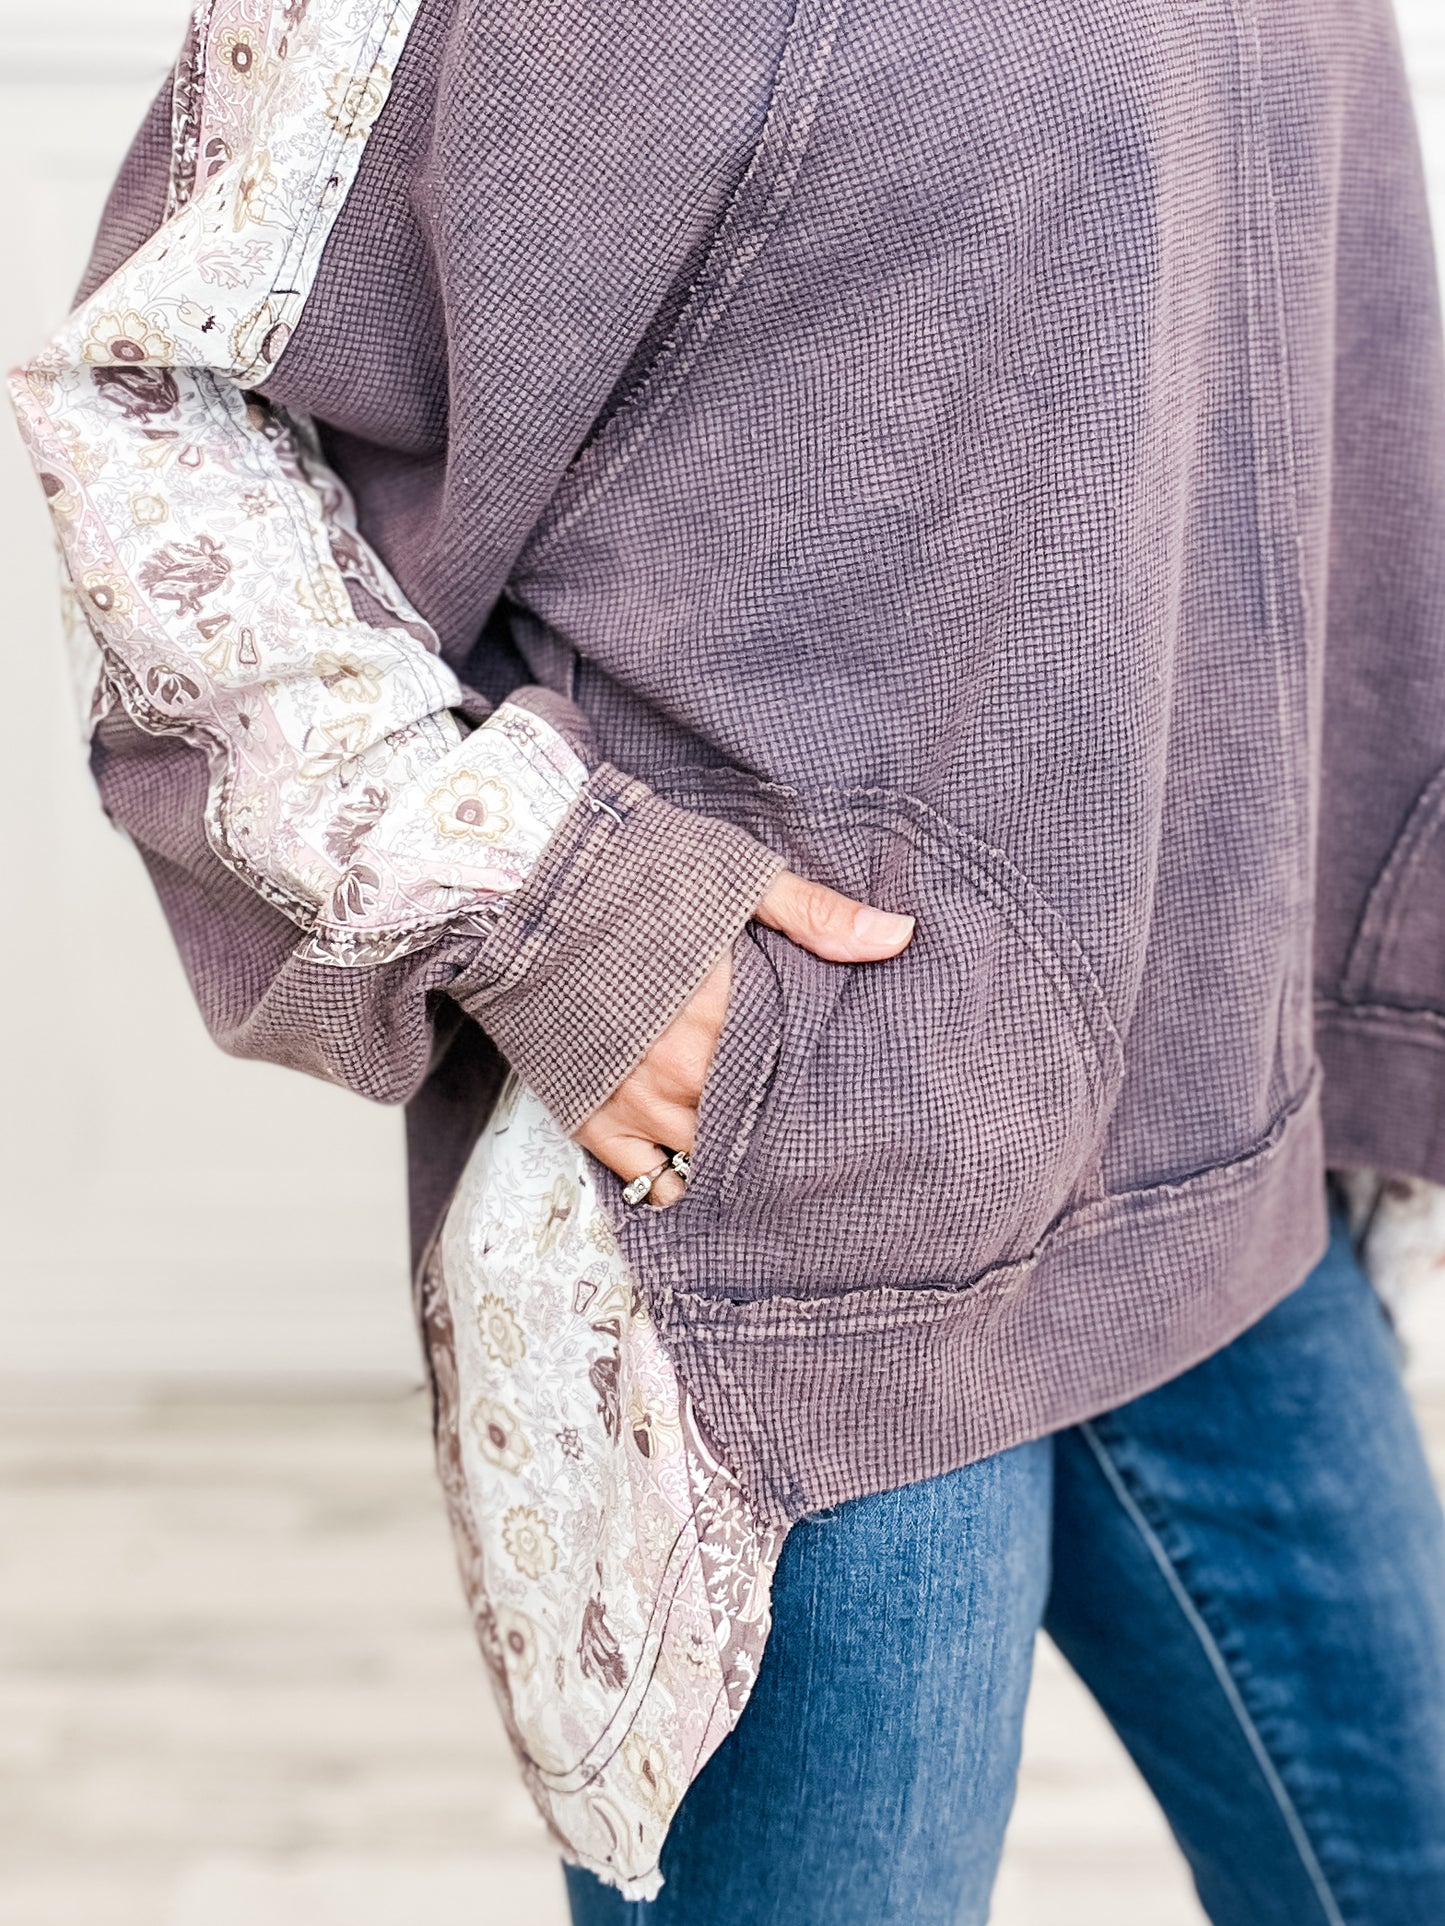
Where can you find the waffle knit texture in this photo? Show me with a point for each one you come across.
(993, 460)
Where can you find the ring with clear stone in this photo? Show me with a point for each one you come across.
(640, 1189)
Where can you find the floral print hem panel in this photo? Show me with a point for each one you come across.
(1399, 1229)
(617, 1576)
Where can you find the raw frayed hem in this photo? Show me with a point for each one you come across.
(644, 1886)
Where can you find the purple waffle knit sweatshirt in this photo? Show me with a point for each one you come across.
(992, 459)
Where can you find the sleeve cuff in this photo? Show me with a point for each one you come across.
(559, 712)
(632, 903)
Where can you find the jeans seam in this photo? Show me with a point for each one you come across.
(1219, 1664)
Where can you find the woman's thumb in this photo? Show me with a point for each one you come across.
(830, 925)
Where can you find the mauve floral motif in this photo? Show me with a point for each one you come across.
(618, 1578)
(598, 1652)
(141, 394)
(231, 53)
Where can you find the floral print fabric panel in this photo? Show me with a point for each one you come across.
(228, 60)
(209, 547)
(1399, 1225)
(617, 1575)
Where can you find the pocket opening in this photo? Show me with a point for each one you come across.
(909, 1122)
(1398, 955)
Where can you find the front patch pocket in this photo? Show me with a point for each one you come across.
(907, 1123)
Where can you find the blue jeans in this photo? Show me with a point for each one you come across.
(1247, 1568)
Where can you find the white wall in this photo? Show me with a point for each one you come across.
(1423, 25)
(166, 1211)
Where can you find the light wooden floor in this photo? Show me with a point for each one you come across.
(237, 1689)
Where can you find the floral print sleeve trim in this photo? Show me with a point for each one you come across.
(209, 548)
(617, 1575)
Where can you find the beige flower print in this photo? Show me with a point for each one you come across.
(698, 1656)
(254, 190)
(147, 510)
(653, 1431)
(41, 377)
(323, 594)
(331, 746)
(344, 676)
(647, 1765)
(530, 1545)
(119, 339)
(500, 1331)
(353, 102)
(240, 55)
(108, 595)
(248, 818)
(517, 1636)
(85, 459)
(473, 806)
(561, 1201)
(502, 1441)
(657, 1537)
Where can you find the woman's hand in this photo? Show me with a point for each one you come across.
(655, 1108)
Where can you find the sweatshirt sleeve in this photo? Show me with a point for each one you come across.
(341, 832)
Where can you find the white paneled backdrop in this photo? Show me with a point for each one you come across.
(168, 1213)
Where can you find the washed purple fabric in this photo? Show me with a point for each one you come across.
(994, 459)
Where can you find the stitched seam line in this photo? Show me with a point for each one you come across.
(1403, 1020)
(292, 265)
(1037, 923)
(745, 229)
(1388, 895)
(1275, 465)
(1220, 1667)
(938, 1302)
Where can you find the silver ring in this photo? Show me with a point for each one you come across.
(639, 1189)
(681, 1162)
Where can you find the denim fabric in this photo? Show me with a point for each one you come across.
(890, 1700)
(1249, 1574)
(1250, 1577)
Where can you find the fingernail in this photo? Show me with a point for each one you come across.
(879, 927)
